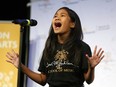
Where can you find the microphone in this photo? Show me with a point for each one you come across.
(25, 22)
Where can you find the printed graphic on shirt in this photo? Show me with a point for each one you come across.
(61, 63)
(60, 57)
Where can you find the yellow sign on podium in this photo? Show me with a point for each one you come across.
(9, 39)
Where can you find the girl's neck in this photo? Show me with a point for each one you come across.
(62, 38)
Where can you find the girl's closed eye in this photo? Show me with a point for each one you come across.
(63, 15)
(55, 16)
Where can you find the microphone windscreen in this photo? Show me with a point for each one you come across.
(25, 22)
(33, 22)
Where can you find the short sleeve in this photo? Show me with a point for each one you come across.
(42, 67)
(85, 50)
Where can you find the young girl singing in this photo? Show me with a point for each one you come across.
(67, 61)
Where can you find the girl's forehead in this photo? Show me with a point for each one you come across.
(61, 11)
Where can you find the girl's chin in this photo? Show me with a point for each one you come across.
(56, 31)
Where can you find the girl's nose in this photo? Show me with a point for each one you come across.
(57, 18)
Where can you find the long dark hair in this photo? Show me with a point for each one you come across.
(73, 43)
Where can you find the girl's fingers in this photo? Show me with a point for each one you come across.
(8, 55)
(101, 56)
(14, 53)
(99, 51)
(11, 55)
(9, 61)
(95, 49)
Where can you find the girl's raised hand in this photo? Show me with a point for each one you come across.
(96, 57)
(13, 58)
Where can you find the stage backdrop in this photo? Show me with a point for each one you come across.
(9, 39)
(98, 18)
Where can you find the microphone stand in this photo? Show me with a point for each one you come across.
(21, 54)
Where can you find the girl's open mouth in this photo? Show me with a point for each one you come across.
(58, 24)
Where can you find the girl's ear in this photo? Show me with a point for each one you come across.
(72, 25)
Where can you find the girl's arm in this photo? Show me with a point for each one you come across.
(92, 63)
(37, 77)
